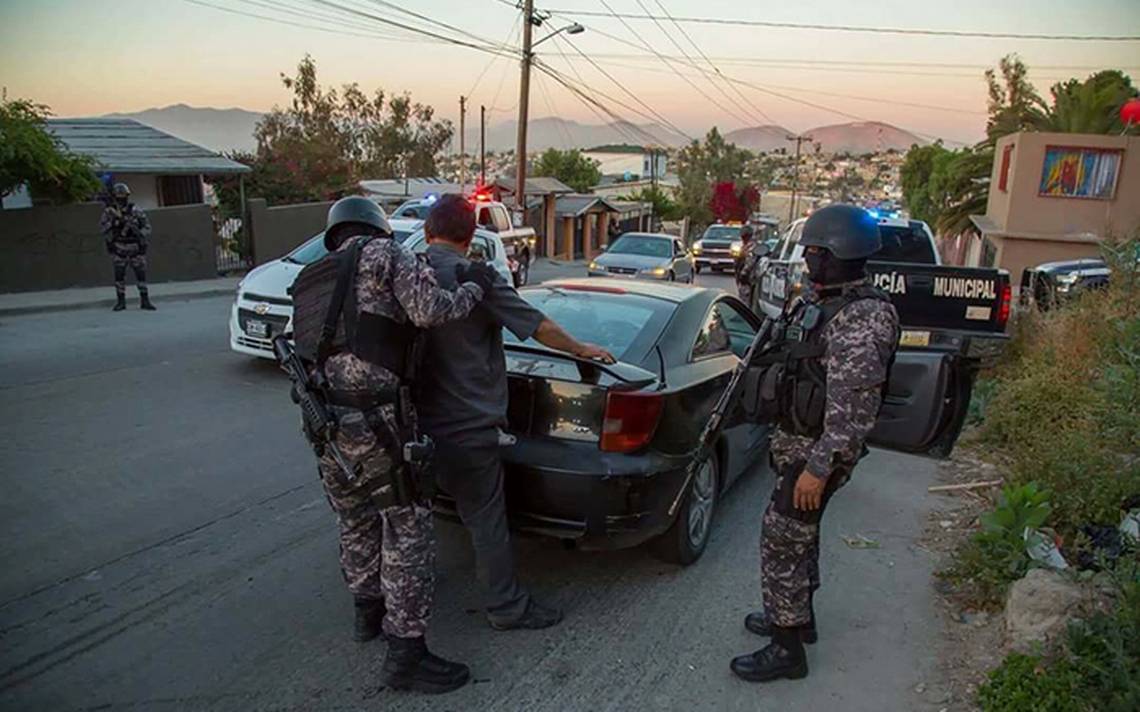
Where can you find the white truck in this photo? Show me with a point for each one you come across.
(519, 242)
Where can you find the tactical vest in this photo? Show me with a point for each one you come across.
(327, 319)
(793, 382)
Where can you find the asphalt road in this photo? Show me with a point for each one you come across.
(166, 546)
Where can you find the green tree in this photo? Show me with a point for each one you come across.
(915, 176)
(1091, 106)
(1014, 105)
(30, 155)
(570, 167)
(700, 166)
(326, 140)
(664, 207)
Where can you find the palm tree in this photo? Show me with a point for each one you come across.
(1091, 106)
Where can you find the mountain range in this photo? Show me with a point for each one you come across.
(230, 129)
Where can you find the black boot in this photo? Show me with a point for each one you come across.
(120, 302)
(369, 621)
(783, 657)
(759, 623)
(144, 302)
(409, 666)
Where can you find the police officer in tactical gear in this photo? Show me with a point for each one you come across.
(746, 265)
(357, 316)
(822, 384)
(126, 231)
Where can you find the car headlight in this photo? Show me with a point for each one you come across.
(593, 265)
(655, 271)
(736, 248)
(697, 248)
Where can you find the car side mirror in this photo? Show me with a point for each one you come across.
(763, 251)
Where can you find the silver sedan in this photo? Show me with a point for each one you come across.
(642, 255)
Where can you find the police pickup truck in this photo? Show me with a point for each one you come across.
(519, 242)
(953, 321)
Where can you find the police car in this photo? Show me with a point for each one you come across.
(263, 307)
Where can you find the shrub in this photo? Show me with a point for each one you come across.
(1024, 683)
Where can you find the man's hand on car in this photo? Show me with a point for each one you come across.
(480, 273)
(595, 353)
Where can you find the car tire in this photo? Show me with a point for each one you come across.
(686, 539)
(522, 274)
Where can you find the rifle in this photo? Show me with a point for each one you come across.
(723, 407)
(319, 424)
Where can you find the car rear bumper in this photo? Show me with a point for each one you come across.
(574, 491)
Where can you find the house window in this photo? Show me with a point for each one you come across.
(1003, 179)
(1076, 172)
(179, 190)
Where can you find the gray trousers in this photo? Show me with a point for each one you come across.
(473, 476)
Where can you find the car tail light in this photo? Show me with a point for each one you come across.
(630, 420)
(1006, 303)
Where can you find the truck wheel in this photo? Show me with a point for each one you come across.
(685, 541)
(522, 274)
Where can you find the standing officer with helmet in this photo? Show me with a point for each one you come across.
(823, 380)
(357, 315)
(746, 266)
(126, 229)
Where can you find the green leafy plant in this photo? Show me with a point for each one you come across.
(1024, 683)
(984, 389)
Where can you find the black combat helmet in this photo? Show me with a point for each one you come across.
(354, 215)
(846, 231)
(121, 190)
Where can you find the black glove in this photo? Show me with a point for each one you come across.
(477, 272)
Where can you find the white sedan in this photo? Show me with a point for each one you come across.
(263, 307)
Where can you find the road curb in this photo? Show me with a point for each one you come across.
(110, 301)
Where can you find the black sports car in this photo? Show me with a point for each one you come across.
(601, 451)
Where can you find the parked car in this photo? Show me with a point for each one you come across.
(518, 242)
(642, 255)
(486, 246)
(719, 248)
(263, 306)
(1049, 284)
(601, 451)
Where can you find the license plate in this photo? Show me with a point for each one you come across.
(915, 338)
(257, 328)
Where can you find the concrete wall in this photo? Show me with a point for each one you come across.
(59, 247)
(1022, 210)
(1015, 254)
(276, 231)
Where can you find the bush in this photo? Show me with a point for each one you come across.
(1099, 668)
(1065, 408)
(1024, 683)
(995, 557)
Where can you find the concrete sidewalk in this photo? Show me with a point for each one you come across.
(104, 297)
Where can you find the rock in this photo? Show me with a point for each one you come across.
(1039, 607)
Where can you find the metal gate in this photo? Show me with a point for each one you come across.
(232, 247)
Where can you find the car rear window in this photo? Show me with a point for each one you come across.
(722, 232)
(626, 325)
(314, 249)
(905, 244)
(642, 245)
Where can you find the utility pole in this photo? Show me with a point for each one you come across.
(524, 100)
(482, 145)
(463, 145)
(796, 176)
(653, 187)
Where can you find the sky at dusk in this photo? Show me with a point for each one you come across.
(87, 58)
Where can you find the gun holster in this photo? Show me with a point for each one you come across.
(411, 453)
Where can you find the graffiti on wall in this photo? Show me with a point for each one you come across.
(1071, 172)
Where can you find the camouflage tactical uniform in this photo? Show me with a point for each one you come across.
(126, 231)
(746, 272)
(386, 551)
(860, 342)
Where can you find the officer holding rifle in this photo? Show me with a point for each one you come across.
(357, 316)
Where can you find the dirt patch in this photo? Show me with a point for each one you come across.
(973, 640)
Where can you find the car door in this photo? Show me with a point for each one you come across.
(729, 329)
(925, 405)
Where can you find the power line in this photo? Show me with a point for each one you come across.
(510, 34)
(649, 47)
(716, 69)
(856, 28)
(430, 20)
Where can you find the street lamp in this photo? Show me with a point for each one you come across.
(529, 21)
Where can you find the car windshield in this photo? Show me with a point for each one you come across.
(643, 245)
(415, 211)
(905, 244)
(722, 232)
(311, 251)
(626, 325)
